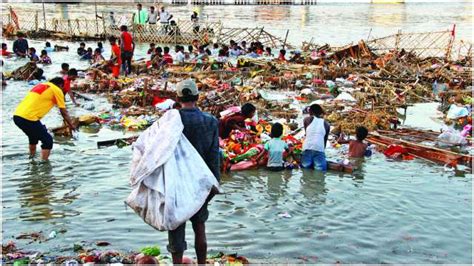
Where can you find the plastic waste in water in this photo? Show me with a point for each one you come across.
(53, 234)
(284, 215)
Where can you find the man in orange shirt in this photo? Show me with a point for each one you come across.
(115, 58)
(36, 104)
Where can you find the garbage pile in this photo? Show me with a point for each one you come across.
(151, 255)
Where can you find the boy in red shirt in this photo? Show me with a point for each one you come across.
(68, 78)
(167, 58)
(127, 46)
(115, 58)
(4, 50)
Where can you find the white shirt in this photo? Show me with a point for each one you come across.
(152, 17)
(164, 16)
(179, 57)
(315, 133)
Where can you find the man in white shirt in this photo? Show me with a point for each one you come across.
(152, 15)
(179, 57)
(165, 18)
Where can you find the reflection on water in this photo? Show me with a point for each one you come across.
(381, 15)
(42, 195)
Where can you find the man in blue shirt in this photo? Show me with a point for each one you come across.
(20, 45)
(201, 129)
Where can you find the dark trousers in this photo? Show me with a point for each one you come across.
(127, 62)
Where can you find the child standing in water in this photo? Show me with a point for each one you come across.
(276, 147)
(357, 148)
(44, 58)
(317, 133)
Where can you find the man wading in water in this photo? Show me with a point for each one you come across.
(37, 103)
(202, 131)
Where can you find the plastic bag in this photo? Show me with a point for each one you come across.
(451, 136)
(456, 112)
(170, 180)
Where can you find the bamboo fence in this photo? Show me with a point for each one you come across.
(183, 33)
(424, 44)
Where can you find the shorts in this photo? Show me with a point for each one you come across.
(314, 159)
(176, 238)
(275, 168)
(35, 132)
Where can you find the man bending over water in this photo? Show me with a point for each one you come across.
(36, 104)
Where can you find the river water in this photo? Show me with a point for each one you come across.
(388, 212)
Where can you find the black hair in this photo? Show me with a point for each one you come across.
(216, 45)
(152, 44)
(82, 44)
(283, 51)
(33, 49)
(123, 28)
(159, 49)
(100, 45)
(43, 52)
(247, 109)
(188, 97)
(48, 44)
(190, 48)
(361, 133)
(277, 130)
(177, 48)
(98, 50)
(20, 34)
(268, 49)
(316, 110)
(112, 39)
(166, 49)
(221, 52)
(72, 72)
(4, 44)
(64, 66)
(208, 52)
(89, 50)
(140, 5)
(58, 81)
(38, 73)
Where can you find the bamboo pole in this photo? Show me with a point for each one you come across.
(44, 16)
(96, 21)
(36, 21)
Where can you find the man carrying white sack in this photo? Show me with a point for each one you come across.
(175, 172)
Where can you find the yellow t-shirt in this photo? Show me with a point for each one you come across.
(39, 101)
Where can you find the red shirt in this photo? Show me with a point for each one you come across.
(5, 52)
(168, 59)
(116, 53)
(67, 84)
(127, 41)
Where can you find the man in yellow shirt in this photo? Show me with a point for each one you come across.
(37, 103)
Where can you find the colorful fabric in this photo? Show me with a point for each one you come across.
(39, 101)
